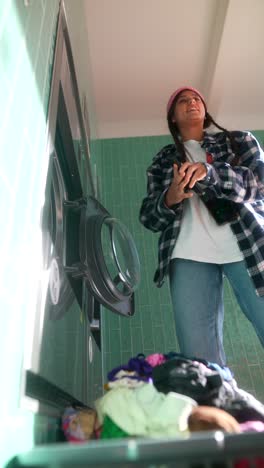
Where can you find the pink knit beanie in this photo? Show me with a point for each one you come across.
(179, 90)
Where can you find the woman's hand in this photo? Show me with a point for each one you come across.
(176, 193)
(193, 172)
(207, 418)
(186, 176)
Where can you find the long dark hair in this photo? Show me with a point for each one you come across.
(207, 122)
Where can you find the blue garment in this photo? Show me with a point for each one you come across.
(224, 371)
(242, 184)
(197, 297)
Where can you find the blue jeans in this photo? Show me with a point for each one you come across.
(197, 298)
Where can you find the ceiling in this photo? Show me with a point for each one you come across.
(142, 50)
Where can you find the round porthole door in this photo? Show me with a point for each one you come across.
(109, 258)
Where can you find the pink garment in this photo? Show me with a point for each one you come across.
(255, 426)
(155, 359)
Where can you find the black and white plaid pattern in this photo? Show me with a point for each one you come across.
(243, 184)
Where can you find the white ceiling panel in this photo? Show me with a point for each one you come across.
(141, 50)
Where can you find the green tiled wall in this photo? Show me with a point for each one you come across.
(26, 54)
(124, 163)
(123, 183)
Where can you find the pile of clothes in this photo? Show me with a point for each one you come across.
(165, 395)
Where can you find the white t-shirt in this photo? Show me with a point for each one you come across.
(200, 237)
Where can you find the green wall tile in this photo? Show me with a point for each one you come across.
(125, 356)
(259, 134)
(159, 339)
(115, 348)
(148, 336)
(107, 364)
(22, 154)
(10, 45)
(137, 340)
(34, 29)
(125, 334)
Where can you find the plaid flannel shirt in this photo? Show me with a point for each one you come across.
(243, 184)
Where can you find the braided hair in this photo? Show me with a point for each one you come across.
(207, 122)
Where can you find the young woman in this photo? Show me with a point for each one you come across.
(205, 195)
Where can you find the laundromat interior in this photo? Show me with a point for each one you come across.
(102, 71)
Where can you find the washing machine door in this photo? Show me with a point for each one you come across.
(109, 258)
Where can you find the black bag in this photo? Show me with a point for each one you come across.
(223, 210)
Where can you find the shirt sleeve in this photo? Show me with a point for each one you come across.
(154, 213)
(243, 183)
